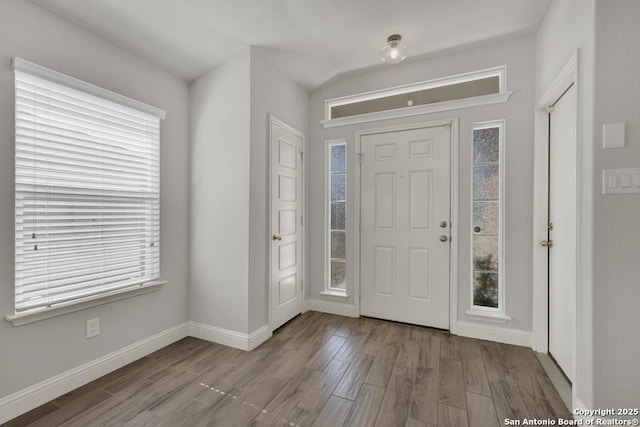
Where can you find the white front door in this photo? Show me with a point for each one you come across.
(562, 230)
(286, 223)
(405, 217)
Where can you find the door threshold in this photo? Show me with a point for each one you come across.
(560, 382)
(446, 331)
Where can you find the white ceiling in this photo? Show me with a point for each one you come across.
(310, 40)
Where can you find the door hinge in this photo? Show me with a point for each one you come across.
(360, 156)
(301, 220)
(301, 284)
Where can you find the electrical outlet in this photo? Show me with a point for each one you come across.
(93, 327)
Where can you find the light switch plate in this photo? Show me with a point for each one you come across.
(620, 181)
(613, 135)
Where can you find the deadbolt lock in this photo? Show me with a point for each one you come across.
(443, 224)
(277, 237)
(443, 238)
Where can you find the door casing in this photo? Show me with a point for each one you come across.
(454, 227)
(562, 255)
(567, 77)
(275, 121)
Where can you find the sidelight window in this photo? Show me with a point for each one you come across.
(336, 216)
(487, 218)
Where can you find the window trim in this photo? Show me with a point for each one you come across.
(20, 64)
(480, 312)
(328, 290)
(502, 96)
(37, 314)
(40, 313)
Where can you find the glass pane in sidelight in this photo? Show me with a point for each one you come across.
(486, 145)
(486, 182)
(485, 218)
(338, 157)
(485, 253)
(338, 248)
(339, 274)
(485, 289)
(338, 215)
(338, 187)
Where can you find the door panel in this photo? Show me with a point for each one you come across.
(286, 245)
(385, 211)
(562, 214)
(405, 189)
(419, 201)
(385, 271)
(287, 289)
(420, 274)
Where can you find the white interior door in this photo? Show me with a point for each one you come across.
(562, 230)
(286, 223)
(405, 216)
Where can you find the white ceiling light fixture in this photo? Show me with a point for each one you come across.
(393, 52)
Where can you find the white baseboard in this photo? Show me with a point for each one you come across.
(494, 333)
(259, 336)
(580, 410)
(228, 337)
(348, 310)
(30, 398)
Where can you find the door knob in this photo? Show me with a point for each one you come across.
(547, 243)
(443, 238)
(443, 224)
(277, 237)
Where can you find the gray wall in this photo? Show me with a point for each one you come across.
(616, 266)
(219, 210)
(230, 109)
(606, 34)
(519, 56)
(41, 350)
(271, 93)
(569, 26)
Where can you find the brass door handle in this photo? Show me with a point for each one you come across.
(277, 237)
(443, 238)
(547, 243)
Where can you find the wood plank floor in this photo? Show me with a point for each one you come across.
(318, 370)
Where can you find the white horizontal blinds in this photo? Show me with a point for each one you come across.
(87, 194)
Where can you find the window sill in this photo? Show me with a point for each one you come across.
(333, 293)
(31, 316)
(489, 316)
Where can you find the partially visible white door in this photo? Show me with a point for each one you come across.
(286, 221)
(405, 213)
(562, 230)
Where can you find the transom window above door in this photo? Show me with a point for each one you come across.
(472, 89)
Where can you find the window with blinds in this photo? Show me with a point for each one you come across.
(87, 190)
